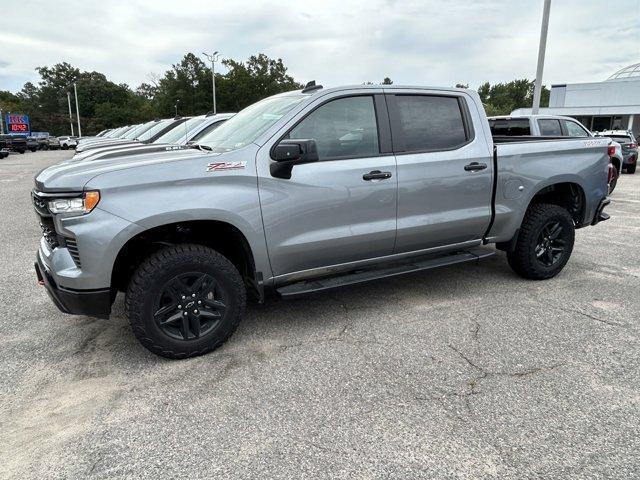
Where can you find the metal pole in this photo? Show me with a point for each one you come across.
(75, 91)
(213, 57)
(213, 82)
(1, 123)
(70, 115)
(537, 89)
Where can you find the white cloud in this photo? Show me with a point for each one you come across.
(334, 42)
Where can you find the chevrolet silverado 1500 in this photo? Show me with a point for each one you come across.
(305, 191)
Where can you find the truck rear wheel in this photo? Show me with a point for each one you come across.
(544, 244)
(631, 168)
(185, 300)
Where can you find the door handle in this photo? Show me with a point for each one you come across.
(474, 166)
(376, 175)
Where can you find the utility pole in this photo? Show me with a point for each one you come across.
(537, 89)
(1, 123)
(75, 91)
(213, 57)
(70, 116)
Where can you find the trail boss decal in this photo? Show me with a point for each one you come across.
(217, 166)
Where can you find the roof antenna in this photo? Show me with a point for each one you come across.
(311, 86)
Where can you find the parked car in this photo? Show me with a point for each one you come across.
(54, 143)
(537, 125)
(67, 142)
(617, 159)
(43, 142)
(15, 143)
(32, 144)
(549, 126)
(629, 147)
(302, 192)
(182, 135)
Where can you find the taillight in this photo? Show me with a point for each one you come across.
(611, 150)
(633, 145)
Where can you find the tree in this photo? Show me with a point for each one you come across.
(503, 98)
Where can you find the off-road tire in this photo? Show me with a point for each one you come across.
(147, 283)
(614, 180)
(523, 258)
(631, 168)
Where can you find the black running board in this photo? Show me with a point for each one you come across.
(415, 264)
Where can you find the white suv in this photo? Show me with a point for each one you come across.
(67, 142)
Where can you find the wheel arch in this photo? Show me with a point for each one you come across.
(221, 235)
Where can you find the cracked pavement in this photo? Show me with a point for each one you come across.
(461, 372)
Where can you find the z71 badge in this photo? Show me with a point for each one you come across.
(216, 166)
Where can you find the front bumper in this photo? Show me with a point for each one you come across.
(93, 303)
(600, 216)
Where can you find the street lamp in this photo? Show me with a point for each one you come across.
(176, 106)
(213, 57)
(75, 92)
(70, 115)
(537, 88)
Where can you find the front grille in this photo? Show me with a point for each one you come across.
(49, 232)
(72, 246)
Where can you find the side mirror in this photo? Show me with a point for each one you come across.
(288, 153)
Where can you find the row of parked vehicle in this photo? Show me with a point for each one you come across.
(623, 148)
(149, 137)
(21, 144)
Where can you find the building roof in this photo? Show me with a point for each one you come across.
(626, 72)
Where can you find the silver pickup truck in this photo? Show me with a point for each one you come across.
(305, 191)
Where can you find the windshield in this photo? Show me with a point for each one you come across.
(175, 134)
(161, 125)
(131, 133)
(250, 123)
(140, 130)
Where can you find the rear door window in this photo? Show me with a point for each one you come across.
(550, 127)
(430, 122)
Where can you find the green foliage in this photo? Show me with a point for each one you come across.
(105, 104)
(503, 98)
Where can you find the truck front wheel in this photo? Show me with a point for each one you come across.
(544, 244)
(185, 300)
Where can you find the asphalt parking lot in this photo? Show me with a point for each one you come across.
(461, 372)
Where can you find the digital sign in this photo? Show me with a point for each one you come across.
(17, 123)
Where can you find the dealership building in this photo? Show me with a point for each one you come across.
(611, 104)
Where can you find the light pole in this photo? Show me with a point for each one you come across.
(70, 115)
(75, 91)
(176, 106)
(1, 122)
(213, 57)
(537, 89)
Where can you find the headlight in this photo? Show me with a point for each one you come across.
(83, 204)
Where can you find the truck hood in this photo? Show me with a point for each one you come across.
(73, 174)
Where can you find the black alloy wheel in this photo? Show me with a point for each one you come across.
(190, 305)
(551, 244)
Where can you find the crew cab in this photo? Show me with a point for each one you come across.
(302, 192)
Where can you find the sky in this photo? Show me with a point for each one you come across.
(335, 42)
